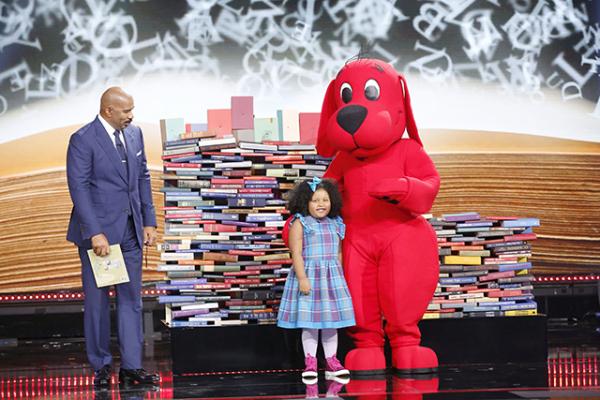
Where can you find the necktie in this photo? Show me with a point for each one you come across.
(120, 149)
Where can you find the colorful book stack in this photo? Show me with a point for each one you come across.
(222, 250)
(484, 266)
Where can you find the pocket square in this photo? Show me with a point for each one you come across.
(139, 153)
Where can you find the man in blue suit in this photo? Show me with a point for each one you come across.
(110, 188)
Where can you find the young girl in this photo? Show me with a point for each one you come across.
(316, 296)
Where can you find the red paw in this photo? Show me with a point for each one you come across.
(369, 360)
(414, 360)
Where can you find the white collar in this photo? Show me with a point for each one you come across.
(109, 129)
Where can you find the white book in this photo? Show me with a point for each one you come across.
(275, 223)
(176, 256)
(110, 269)
(175, 267)
(235, 164)
(200, 306)
(289, 124)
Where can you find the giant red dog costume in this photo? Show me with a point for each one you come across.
(390, 251)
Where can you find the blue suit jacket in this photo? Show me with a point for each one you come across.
(103, 193)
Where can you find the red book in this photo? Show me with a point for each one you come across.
(180, 165)
(241, 273)
(212, 286)
(242, 112)
(259, 178)
(246, 252)
(505, 293)
(230, 181)
(280, 261)
(219, 122)
(284, 158)
(177, 155)
(520, 236)
(242, 280)
(220, 228)
(309, 127)
(496, 275)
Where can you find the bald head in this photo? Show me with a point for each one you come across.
(116, 107)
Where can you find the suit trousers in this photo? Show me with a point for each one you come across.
(129, 308)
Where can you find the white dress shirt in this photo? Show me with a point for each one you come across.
(109, 130)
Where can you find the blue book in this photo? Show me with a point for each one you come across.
(473, 307)
(514, 243)
(216, 246)
(220, 216)
(261, 237)
(176, 299)
(521, 222)
(227, 158)
(449, 281)
(188, 159)
(219, 195)
(519, 298)
(196, 281)
(239, 223)
(497, 303)
(246, 202)
(514, 267)
(469, 216)
(511, 285)
(474, 224)
(166, 286)
(187, 324)
(179, 142)
(528, 305)
(254, 195)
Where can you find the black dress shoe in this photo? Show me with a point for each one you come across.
(102, 377)
(128, 376)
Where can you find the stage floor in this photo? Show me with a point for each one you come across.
(58, 370)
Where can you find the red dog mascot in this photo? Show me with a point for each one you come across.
(390, 251)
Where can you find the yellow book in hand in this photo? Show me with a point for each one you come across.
(109, 270)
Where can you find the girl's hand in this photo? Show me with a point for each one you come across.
(304, 286)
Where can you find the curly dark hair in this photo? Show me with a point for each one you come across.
(299, 197)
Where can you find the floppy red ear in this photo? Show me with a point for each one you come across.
(411, 126)
(324, 148)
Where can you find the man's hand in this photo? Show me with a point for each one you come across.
(149, 235)
(100, 245)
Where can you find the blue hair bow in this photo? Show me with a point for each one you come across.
(314, 183)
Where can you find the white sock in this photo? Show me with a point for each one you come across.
(329, 340)
(310, 340)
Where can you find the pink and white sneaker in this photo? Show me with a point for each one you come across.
(312, 391)
(310, 370)
(334, 368)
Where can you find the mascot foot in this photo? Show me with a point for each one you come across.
(366, 361)
(414, 360)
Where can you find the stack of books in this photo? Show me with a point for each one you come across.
(222, 250)
(485, 269)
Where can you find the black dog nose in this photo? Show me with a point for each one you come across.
(351, 117)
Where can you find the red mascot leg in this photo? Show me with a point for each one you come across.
(368, 336)
(408, 275)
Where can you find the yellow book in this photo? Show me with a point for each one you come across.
(111, 269)
(428, 315)
(462, 260)
(520, 313)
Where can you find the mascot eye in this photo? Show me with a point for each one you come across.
(372, 89)
(346, 92)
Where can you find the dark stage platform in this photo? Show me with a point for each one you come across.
(58, 369)
(456, 341)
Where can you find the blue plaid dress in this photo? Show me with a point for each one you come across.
(329, 304)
